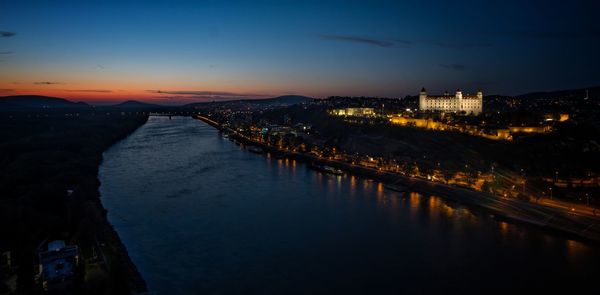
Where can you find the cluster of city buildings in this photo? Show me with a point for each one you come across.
(457, 103)
(354, 112)
(447, 106)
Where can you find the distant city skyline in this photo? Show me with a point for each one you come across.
(189, 51)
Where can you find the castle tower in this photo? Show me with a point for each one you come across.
(479, 95)
(422, 98)
(458, 94)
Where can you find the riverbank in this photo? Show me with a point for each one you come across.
(555, 219)
(110, 239)
(49, 190)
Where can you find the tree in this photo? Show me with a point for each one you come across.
(485, 187)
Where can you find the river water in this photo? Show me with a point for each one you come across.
(199, 214)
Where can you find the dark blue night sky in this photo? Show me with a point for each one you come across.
(104, 50)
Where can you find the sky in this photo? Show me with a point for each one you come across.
(185, 51)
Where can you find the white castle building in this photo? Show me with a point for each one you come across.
(451, 103)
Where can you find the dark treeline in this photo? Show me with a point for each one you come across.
(49, 190)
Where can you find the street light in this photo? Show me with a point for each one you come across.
(550, 193)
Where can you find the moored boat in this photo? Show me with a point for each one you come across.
(326, 169)
(255, 149)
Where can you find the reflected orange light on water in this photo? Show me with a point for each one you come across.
(575, 249)
(504, 227)
(413, 205)
(447, 210)
(294, 167)
(414, 200)
(380, 194)
(434, 202)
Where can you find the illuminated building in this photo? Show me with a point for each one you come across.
(57, 265)
(356, 112)
(421, 123)
(563, 117)
(529, 129)
(451, 103)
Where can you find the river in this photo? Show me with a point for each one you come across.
(199, 214)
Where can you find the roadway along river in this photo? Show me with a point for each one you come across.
(200, 214)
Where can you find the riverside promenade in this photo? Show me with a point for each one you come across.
(580, 225)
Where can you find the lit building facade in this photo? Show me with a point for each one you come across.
(354, 112)
(470, 104)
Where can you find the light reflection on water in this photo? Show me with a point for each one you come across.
(199, 214)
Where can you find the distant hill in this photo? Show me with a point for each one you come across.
(548, 101)
(38, 102)
(593, 92)
(280, 100)
(285, 99)
(134, 104)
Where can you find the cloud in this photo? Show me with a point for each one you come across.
(453, 66)
(5, 52)
(45, 83)
(209, 94)
(357, 39)
(6, 34)
(404, 43)
(462, 45)
(89, 90)
(552, 35)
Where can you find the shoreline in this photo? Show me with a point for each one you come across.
(135, 281)
(580, 227)
(109, 236)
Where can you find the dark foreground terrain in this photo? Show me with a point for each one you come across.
(49, 191)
